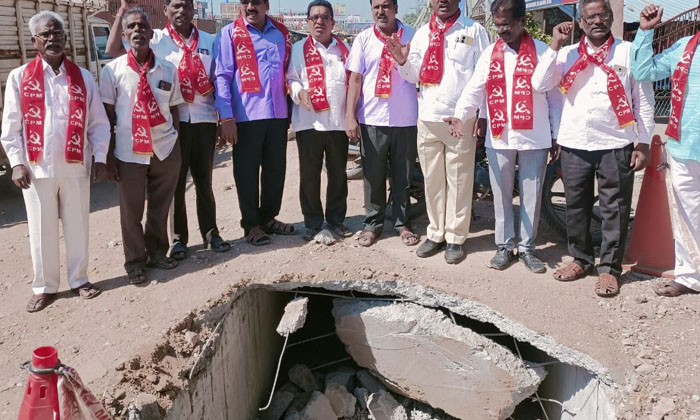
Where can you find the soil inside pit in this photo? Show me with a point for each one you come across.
(647, 345)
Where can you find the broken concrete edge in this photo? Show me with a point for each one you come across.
(459, 305)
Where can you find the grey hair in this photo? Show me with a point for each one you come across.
(135, 11)
(42, 16)
(582, 3)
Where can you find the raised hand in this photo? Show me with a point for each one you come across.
(398, 51)
(127, 5)
(650, 17)
(560, 34)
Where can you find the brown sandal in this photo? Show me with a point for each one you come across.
(570, 272)
(280, 228)
(256, 236)
(407, 237)
(673, 289)
(87, 291)
(38, 302)
(367, 237)
(607, 285)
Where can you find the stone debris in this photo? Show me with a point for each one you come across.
(341, 400)
(294, 316)
(362, 396)
(319, 408)
(382, 406)
(344, 376)
(369, 381)
(192, 338)
(147, 407)
(662, 408)
(301, 376)
(280, 403)
(324, 237)
(391, 339)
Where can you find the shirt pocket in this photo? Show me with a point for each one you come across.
(461, 54)
(163, 98)
(335, 71)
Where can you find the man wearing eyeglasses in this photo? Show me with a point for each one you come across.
(318, 81)
(251, 98)
(190, 50)
(386, 116)
(681, 63)
(441, 59)
(54, 127)
(605, 111)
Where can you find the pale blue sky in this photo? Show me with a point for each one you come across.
(355, 7)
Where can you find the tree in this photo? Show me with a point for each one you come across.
(409, 19)
(535, 29)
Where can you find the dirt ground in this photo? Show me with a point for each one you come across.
(649, 344)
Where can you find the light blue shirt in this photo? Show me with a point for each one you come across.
(649, 67)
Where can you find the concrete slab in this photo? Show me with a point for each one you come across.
(420, 353)
(383, 406)
(319, 408)
(294, 316)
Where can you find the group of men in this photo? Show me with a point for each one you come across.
(173, 92)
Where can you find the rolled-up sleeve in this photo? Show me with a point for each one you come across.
(224, 73)
(12, 139)
(98, 129)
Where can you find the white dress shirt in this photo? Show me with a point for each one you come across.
(588, 121)
(202, 109)
(546, 105)
(52, 163)
(336, 88)
(400, 109)
(118, 87)
(463, 46)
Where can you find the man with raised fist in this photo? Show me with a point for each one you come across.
(680, 64)
(606, 110)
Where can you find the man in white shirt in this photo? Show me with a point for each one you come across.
(386, 117)
(53, 127)
(141, 94)
(441, 58)
(605, 111)
(318, 81)
(522, 124)
(190, 51)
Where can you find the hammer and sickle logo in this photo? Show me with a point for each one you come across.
(34, 138)
(385, 79)
(497, 92)
(78, 114)
(521, 83)
(237, 30)
(433, 59)
(74, 140)
(141, 132)
(152, 106)
(521, 108)
(525, 61)
(498, 116)
(496, 67)
(246, 71)
(33, 85)
(685, 58)
(186, 83)
(33, 112)
(318, 93)
(202, 74)
(622, 103)
(76, 90)
(138, 107)
(435, 36)
(315, 72)
(242, 49)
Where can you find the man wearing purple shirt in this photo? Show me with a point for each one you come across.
(387, 115)
(255, 122)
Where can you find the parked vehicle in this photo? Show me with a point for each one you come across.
(87, 39)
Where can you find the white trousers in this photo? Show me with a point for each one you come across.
(448, 169)
(532, 165)
(47, 200)
(685, 176)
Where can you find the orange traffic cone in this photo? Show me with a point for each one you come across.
(40, 401)
(651, 247)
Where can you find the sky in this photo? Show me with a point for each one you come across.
(355, 7)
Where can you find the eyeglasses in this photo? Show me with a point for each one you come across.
(314, 18)
(590, 19)
(45, 36)
(505, 27)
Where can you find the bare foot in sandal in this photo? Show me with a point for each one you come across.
(280, 228)
(256, 236)
(407, 237)
(673, 289)
(39, 302)
(87, 291)
(607, 285)
(570, 272)
(367, 237)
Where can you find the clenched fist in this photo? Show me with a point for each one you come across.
(560, 34)
(650, 17)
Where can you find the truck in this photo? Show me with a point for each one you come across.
(87, 40)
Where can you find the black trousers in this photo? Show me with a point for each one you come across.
(259, 168)
(197, 144)
(580, 169)
(313, 146)
(395, 146)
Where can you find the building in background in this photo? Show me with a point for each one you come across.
(230, 11)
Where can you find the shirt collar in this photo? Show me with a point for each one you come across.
(49, 70)
(268, 24)
(331, 45)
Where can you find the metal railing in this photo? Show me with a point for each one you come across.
(665, 35)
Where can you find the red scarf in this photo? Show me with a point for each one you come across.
(616, 91)
(191, 70)
(146, 111)
(382, 88)
(679, 81)
(33, 110)
(522, 106)
(434, 60)
(316, 74)
(244, 51)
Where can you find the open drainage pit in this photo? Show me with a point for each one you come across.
(356, 355)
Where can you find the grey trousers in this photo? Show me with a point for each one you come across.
(395, 147)
(532, 165)
(140, 184)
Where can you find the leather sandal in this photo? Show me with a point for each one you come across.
(87, 291)
(280, 228)
(607, 285)
(367, 237)
(407, 237)
(673, 289)
(570, 272)
(39, 302)
(256, 236)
